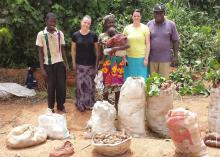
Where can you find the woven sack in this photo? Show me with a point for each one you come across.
(214, 110)
(157, 109)
(185, 133)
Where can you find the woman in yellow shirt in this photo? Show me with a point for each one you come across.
(138, 36)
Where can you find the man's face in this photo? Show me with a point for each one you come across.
(159, 16)
(51, 23)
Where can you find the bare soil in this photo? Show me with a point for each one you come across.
(15, 112)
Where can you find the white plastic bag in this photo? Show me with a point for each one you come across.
(102, 118)
(99, 82)
(25, 136)
(54, 124)
(131, 107)
(4, 94)
(16, 89)
(107, 50)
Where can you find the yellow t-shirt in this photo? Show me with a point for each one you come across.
(136, 40)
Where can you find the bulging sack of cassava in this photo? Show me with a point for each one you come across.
(54, 124)
(214, 110)
(215, 97)
(131, 107)
(185, 133)
(212, 139)
(102, 118)
(25, 136)
(214, 119)
(157, 109)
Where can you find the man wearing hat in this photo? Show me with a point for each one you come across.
(164, 39)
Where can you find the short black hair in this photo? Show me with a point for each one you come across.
(49, 15)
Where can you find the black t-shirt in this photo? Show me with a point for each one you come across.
(85, 50)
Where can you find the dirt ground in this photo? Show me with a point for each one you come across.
(13, 114)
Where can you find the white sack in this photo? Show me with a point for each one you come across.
(102, 118)
(25, 136)
(131, 107)
(54, 124)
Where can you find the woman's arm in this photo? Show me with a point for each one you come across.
(73, 51)
(97, 54)
(147, 50)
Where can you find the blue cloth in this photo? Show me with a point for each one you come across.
(136, 68)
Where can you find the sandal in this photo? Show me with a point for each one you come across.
(66, 150)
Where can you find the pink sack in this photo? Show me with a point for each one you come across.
(185, 133)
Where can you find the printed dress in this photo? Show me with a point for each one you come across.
(113, 68)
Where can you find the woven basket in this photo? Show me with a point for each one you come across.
(112, 149)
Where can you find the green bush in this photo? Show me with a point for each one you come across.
(196, 23)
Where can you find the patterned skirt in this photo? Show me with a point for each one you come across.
(113, 71)
(85, 87)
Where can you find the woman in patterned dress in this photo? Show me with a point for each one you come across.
(113, 64)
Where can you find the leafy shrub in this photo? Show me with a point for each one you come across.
(187, 85)
(26, 18)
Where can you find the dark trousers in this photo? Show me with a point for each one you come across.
(56, 84)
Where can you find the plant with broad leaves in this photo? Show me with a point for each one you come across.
(186, 83)
(213, 72)
(153, 84)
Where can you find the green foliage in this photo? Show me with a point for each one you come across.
(213, 71)
(5, 36)
(5, 45)
(198, 30)
(213, 63)
(23, 23)
(183, 78)
(153, 84)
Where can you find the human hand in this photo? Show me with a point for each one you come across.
(145, 61)
(74, 66)
(44, 73)
(126, 63)
(67, 68)
(100, 64)
(173, 62)
(96, 70)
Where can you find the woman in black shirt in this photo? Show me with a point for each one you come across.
(84, 58)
